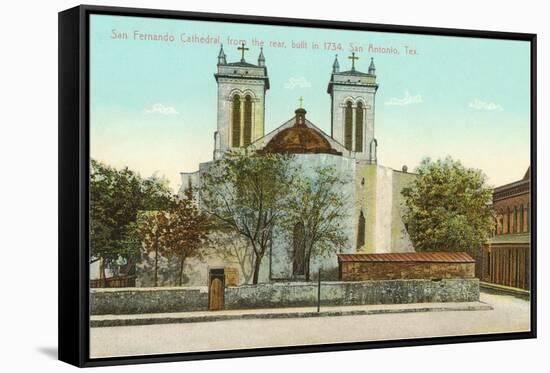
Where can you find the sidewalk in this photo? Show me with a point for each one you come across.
(279, 313)
(506, 290)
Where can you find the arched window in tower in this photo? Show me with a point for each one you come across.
(247, 120)
(348, 126)
(359, 127)
(361, 231)
(236, 122)
(298, 260)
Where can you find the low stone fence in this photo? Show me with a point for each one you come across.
(352, 293)
(276, 295)
(122, 301)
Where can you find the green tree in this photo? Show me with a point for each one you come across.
(116, 197)
(314, 214)
(153, 228)
(244, 193)
(448, 207)
(187, 231)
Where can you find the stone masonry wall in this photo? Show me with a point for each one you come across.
(105, 301)
(273, 295)
(352, 293)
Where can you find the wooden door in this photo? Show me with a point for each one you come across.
(216, 291)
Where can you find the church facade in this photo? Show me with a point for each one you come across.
(375, 221)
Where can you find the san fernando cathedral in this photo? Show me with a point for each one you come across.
(375, 223)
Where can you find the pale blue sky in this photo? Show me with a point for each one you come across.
(153, 103)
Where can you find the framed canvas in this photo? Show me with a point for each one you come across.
(235, 186)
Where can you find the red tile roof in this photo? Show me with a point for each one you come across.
(437, 257)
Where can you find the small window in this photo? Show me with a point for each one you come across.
(236, 122)
(348, 126)
(247, 135)
(359, 113)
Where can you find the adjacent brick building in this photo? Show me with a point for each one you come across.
(506, 259)
(393, 266)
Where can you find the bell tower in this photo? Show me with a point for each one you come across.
(241, 101)
(352, 95)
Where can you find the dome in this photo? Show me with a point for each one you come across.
(299, 139)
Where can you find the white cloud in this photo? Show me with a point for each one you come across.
(408, 99)
(482, 105)
(300, 82)
(159, 108)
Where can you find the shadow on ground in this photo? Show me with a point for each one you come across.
(50, 352)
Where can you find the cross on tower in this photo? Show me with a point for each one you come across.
(301, 99)
(242, 49)
(353, 58)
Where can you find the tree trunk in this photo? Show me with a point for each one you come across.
(307, 272)
(181, 270)
(257, 262)
(102, 273)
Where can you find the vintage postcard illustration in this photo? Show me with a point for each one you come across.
(258, 186)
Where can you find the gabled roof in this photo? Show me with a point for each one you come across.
(263, 141)
(299, 139)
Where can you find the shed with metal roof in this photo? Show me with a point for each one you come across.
(416, 265)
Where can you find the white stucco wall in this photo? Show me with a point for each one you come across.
(400, 240)
(384, 201)
(282, 248)
(373, 189)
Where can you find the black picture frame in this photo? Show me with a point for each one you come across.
(74, 173)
